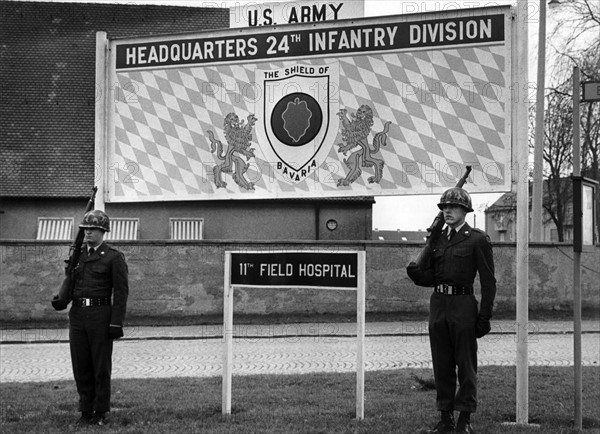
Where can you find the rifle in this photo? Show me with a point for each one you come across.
(65, 293)
(434, 231)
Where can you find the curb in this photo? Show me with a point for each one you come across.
(280, 336)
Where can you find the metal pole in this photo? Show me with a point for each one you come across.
(538, 152)
(577, 263)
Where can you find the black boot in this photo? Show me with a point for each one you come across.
(463, 426)
(446, 424)
(100, 418)
(85, 419)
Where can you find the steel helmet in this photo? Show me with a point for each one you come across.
(456, 196)
(96, 219)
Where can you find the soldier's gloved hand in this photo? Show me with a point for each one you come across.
(482, 327)
(115, 332)
(57, 304)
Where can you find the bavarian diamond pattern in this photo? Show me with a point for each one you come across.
(447, 108)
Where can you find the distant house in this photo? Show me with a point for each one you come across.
(501, 217)
(47, 123)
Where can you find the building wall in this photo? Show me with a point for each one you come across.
(170, 280)
(223, 220)
(507, 229)
(19, 217)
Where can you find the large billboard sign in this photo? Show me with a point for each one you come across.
(389, 106)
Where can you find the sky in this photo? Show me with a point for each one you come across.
(409, 213)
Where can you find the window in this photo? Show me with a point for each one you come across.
(123, 229)
(55, 228)
(186, 229)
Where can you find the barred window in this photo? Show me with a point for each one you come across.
(186, 228)
(55, 228)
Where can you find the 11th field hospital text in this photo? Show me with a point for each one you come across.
(307, 270)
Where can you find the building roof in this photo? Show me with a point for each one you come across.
(506, 202)
(48, 91)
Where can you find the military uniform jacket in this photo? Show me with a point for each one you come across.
(456, 262)
(103, 274)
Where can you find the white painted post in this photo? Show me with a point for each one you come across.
(227, 337)
(520, 141)
(360, 337)
(101, 118)
(538, 157)
(520, 152)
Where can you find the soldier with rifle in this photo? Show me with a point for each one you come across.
(97, 285)
(449, 262)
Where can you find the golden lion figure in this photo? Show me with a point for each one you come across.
(238, 138)
(355, 132)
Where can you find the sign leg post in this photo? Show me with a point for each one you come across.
(227, 338)
(578, 416)
(360, 338)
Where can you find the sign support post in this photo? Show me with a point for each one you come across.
(584, 234)
(360, 337)
(520, 153)
(520, 142)
(227, 337)
(103, 95)
(578, 416)
(293, 269)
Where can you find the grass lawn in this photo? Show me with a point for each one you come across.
(395, 402)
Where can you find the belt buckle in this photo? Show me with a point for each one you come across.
(88, 302)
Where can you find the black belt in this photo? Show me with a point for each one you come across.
(453, 290)
(88, 302)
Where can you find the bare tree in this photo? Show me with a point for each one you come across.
(576, 40)
(580, 46)
(558, 138)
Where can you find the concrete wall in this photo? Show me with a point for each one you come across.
(175, 280)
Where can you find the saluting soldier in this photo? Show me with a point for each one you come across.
(99, 294)
(456, 320)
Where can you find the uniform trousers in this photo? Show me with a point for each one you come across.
(452, 320)
(91, 356)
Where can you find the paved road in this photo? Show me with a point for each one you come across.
(185, 352)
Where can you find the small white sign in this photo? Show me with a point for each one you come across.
(305, 11)
(591, 91)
